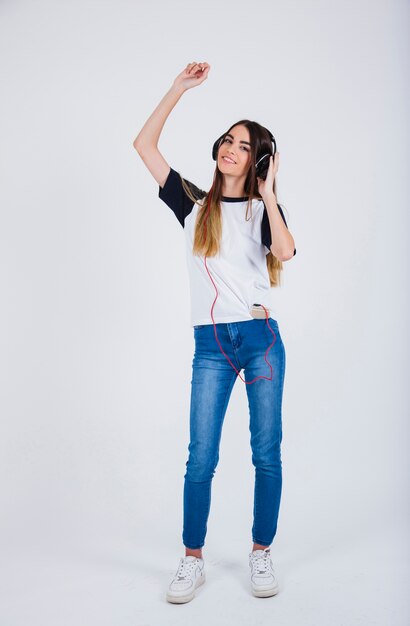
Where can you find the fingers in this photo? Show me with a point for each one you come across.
(194, 67)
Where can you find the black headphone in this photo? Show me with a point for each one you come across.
(262, 161)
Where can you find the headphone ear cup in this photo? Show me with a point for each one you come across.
(262, 163)
(274, 144)
(215, 150)
(215, 147)
(262, 166)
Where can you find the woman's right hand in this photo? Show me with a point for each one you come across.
(194, 74)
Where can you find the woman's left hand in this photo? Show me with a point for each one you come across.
(265, 187)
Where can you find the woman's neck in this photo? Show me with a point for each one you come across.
(233, 186)
(236, 192)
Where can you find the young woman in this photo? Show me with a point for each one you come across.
(237, 239)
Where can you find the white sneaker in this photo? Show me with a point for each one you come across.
(263, 579)
(189, 575)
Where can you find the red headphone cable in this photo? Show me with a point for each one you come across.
(213, 321)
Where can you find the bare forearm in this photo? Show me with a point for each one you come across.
(150, 132)
(283, 244)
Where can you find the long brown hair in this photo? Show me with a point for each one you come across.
(209, 245)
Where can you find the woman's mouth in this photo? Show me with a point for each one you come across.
(228, 160)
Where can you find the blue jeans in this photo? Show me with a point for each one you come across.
(213, 379)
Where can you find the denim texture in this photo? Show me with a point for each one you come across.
(213, 378)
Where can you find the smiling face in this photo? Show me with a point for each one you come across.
(234, 154)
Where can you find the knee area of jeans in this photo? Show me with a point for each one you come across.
(199, 475)
(268, 466)
(267, 456)
(200, 469)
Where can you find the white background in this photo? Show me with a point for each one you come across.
(96, 344)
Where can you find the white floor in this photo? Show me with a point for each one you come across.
(365, 581)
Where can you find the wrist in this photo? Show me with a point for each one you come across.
(177, 89)
(269, 197)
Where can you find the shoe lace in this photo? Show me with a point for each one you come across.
(184, 569)
(261, 563)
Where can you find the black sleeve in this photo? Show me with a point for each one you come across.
(173, 194)
(265, 228)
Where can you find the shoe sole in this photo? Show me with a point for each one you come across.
(265, 593)
(187, 598)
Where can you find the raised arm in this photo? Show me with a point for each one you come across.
(146, 142)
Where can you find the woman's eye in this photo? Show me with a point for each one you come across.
(227, 139)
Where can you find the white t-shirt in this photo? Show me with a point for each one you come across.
(239, 271)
